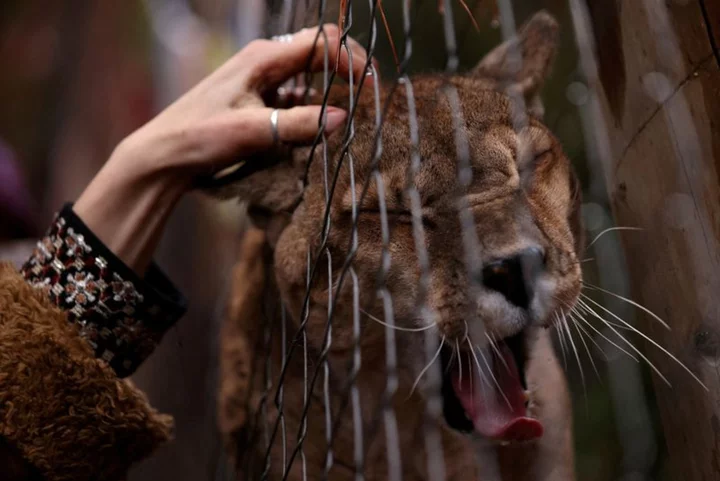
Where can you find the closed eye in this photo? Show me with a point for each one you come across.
(542, 156)
(535, 148)
(401, 216)
(528, 168)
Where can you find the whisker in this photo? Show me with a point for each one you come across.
(470, 373)
(577, 356)
(470, 369)
(631, 302)
(494, 347)
(422, 373)
(590, 336)
(587, 349)
(495, 381)
(483, 378)
(460, 360)
(610, 229)
(647, 338)
(624, 328)
(644, 358)
(561, 339)
(449, 364)
(481, 373)
(589, 324)
(398, 328)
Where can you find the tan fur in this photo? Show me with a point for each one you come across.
(523, 193)
(63, 410)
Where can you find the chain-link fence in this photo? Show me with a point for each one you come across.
(352, 367)
(330, 427)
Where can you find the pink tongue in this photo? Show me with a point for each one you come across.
(496, 413)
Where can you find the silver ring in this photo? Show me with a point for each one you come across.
(286, 38)
(274, 126)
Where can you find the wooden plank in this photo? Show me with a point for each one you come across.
(664, 177)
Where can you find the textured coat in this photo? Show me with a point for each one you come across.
(64, 415)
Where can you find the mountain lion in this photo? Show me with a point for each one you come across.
(505, 406)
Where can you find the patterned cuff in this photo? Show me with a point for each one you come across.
(122, 316)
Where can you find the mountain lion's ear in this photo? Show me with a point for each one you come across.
(524, 61)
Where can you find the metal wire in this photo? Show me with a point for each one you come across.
(433, 410)
(433, 441)
(270, 423)
(330, 183)
(385, 411)
(335, 400)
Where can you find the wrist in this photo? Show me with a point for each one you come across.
(127, 205)
(150, 163)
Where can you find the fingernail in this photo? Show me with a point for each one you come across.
(335, 118)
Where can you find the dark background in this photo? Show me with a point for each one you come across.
(80, 75)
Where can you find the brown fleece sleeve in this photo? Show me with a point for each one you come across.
(65, 411)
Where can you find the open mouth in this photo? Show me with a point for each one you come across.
(485, 392)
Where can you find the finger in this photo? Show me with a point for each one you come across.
(318, 42)
(350, 49)
(358, 53)
(300, 124)
(268, 64)
(350, 57)
(247, 131)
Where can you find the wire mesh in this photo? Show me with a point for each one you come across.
(384, 413)
(324, 400)
(668, 68)
(314, 259)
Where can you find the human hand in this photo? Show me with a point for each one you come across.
(219, 121)
(224, 117)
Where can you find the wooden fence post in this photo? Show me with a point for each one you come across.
(660, 97)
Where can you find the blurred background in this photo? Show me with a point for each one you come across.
(80, 75)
